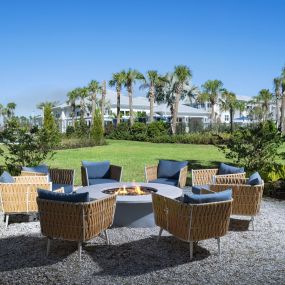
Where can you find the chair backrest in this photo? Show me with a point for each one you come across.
(190, 222)
(76, 221)
(20, 197)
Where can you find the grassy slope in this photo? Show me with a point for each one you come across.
(133, 156)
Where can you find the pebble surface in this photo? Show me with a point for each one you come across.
(134, 257)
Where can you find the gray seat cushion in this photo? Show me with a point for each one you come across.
(101, 181)
(197, 188)
(67, 187)
(168, 181)
(170, 168)
(97, 169)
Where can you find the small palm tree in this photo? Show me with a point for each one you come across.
(73, 96)
(229, 102)
(210, 93)
(118, 80)
(277, 94)
(132, 76)
(264, 98)
(183, 75)
(151, 82)
(94, 88)
(10, 109)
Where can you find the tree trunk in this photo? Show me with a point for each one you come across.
(103, 102)
(232, 119)
(94, 99)
(130, 93)
(151, 103)
(82, 109)
(118, 105)
(212, 115)
(277, 111)
(282, 123)
(175, 113)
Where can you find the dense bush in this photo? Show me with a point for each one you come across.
(97, 132)
(138, 132)
(122, 132)
(158, 128)
(255, 147)
(69, 143)
(70, 130)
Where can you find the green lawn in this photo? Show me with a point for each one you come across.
(133, 156)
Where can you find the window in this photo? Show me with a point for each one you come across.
(227, 118)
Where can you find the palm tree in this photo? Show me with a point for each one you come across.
(210, 93)
(277, 94)
(83, 93)
(94, 88)
(118, 79)
(104, 91)
(10, 109)
(72, 98)
(283, 99)
(264, 98)
(132, 76)
(152, 80)
(229, 102)
(183, 74)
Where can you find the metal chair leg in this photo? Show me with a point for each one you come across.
(106, 237)
(252, 221)
(6, 221)
(191, 249)
(48, 245)
(79, 250)
(159, 234)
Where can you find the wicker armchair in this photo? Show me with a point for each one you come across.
(192, 222)
(20, 197)
(78, 222)
(246, 198)
(209, 176)
(59, 177)
(115, 174)
(151, 174)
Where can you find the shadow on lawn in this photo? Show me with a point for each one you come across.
(143, 256)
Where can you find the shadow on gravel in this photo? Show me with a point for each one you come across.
(143, 256)
(17, 252)
(238, 225)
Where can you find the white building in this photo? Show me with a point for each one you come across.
(186, 113)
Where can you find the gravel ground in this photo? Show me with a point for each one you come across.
(248, 257)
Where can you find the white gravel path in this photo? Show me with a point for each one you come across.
(248, 257)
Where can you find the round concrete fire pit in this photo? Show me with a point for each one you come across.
(133, 210)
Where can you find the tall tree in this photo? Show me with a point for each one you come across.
(118, 79)
(183, 75)
(10, 109)
(152, 80)
(210, 93)
(264, 98)
(73, 96)
(104, 91)
(94, 88)
(132, 76)
(277, 95)
(229, 102)
(83, 94)
(282, 123)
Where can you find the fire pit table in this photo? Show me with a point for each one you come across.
(134, 202)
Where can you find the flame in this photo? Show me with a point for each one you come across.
(122, 191)
(135, 190)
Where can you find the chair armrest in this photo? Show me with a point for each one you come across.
(150, 173)
(116, 172)
(62, 176)
(203, 176)
(31, 179)
(182, 177)
(84, 178)
(30, 173)
(236, 178)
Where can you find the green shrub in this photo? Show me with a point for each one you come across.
(138, 132)
(81, 129)
(70, 130)
(156, 129)
(122, 132)
(97, 132)
(276, 173)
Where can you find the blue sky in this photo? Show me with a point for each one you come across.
(50, 47)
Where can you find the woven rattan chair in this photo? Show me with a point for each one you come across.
(58, 176)
(246, 198)
(78, 222)
(192, 222)
(208, 176)
(115, 174)
(151, 174)
(20, 197)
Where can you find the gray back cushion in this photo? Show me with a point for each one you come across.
(97, 169)
(170, 168)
